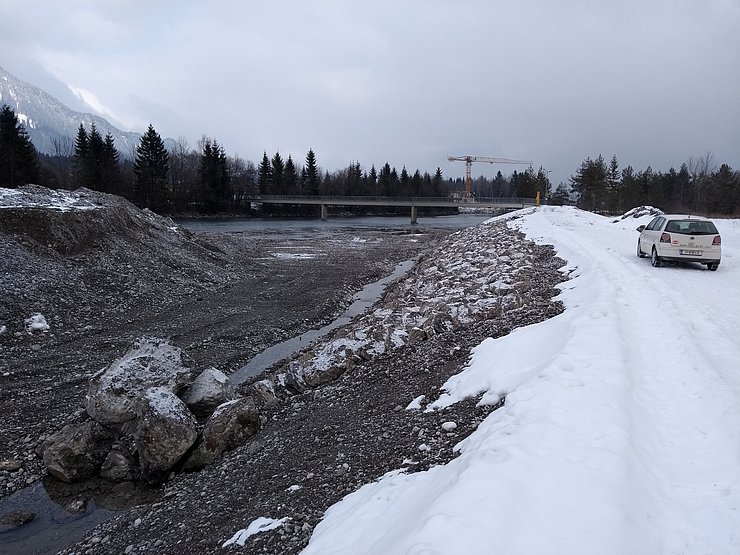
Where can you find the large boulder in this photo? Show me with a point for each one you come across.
(76, 452)
(114, 393)
(230, 426)
(264, 392)
(165, 431)
(209, 390)
(118, 465)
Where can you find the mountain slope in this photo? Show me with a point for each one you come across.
(53, 126)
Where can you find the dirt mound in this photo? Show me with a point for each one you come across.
(73, 222)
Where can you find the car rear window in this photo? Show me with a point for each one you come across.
(691, 227)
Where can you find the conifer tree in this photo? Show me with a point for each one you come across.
(278, 169)
(93, 171)
(215, 176)
(437, 183)
(80, 156)
(290, 177)
(151, 168)
(264, 175)
(373, 180)
(109, 170)
(18, 157)
(312, 182)
(560, 196)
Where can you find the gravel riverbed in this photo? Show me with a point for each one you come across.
(223, 298)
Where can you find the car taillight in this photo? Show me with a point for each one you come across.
(717, 240)
(665, 238)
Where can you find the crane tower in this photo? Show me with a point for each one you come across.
(469, 165)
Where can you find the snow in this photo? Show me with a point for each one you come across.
(261, 524)
(30, 197)
(36, 322)
(620, 431)
(164, 402)
(416, 403)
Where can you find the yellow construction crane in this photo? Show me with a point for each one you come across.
(469, 165)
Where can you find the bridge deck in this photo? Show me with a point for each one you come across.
(437, 202)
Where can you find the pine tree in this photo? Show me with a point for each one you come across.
(437, 183)
(290, 177)
(278, 168)
(312, 182)
(264, 176)
(560, 196)
(80, 156)
(386, 181)
(373, 180)
(215, 176)
(109, 170)
(93, 171)
(19, 160)
(589, 184)
(151, 168)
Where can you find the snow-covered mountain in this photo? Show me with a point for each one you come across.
(53, 126)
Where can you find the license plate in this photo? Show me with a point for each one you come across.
(690, 253)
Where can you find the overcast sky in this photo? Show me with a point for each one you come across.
(409, 82)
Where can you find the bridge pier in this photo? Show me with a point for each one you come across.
(413, 215)
(324, 212)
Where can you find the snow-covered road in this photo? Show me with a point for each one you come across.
(621, 427)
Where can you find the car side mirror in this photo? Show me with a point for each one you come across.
(641, 228)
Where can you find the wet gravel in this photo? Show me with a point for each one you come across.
(223, 298)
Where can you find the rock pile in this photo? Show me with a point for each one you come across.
(477, 274)
(147, 418)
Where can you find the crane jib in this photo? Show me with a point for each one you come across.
(490, 160)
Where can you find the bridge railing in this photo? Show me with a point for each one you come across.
(391, 200)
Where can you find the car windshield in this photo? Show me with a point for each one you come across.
(691, 227)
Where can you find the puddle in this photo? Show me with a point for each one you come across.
(362, 301)
(53, 528)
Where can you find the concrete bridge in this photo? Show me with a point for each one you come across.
(411, 202)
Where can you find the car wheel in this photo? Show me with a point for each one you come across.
(654, 260)
(640, 254)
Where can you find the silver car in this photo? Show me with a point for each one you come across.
(675, 238)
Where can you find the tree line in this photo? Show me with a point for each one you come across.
(204, 179)
(698, 186)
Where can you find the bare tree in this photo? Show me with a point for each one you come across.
(63, 148)
(178, 170)
(700, 168)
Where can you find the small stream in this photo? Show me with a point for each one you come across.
(362, 301)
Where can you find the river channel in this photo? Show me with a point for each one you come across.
(54, 528)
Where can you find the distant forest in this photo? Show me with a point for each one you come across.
(204, 180)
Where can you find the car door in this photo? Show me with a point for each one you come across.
(647, 237)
